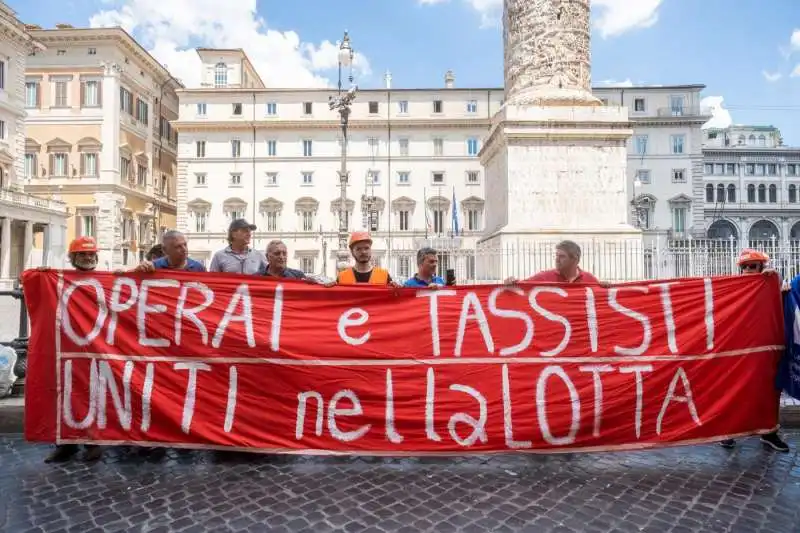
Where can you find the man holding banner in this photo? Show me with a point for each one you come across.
(568, 257)
(363, 271)
(755, 262)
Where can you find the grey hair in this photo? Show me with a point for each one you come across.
(274, 242)
(170, 235)
(570, 247)
(422, 253)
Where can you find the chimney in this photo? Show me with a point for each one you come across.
(449, 79)
(388, 79)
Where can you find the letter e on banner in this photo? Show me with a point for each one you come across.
(352, 318)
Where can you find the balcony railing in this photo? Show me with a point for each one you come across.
(28, 200)
(753, 206)
(686, 111)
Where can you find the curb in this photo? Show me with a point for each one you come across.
(12, 416)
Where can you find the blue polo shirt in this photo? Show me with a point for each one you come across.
(162, 263)
(416, 282)
(287, 273)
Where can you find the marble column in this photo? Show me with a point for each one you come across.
(46, 238)
(27, 245)
(5, 248)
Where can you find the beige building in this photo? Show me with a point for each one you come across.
(31, 227)
(99, 137)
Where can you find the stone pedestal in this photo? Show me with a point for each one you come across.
(554, 173)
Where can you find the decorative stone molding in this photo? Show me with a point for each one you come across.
(199, 205)
(404, 203)
(270, 205)
(473, 203)
(32, 146)
(58, 145)
(234, 204)
(336, 205)
(306, 204)
(299, 254)
(439, 203)
(89, 144)
(680, 200)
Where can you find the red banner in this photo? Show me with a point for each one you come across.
(217, 360)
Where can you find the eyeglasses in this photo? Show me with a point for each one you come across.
(751, 266)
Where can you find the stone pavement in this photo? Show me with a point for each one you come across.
(691, 490)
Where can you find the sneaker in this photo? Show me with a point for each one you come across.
(93, 453)
(728, 443)
(774, 441)
(63, 452)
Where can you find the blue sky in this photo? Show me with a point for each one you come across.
(739, 49)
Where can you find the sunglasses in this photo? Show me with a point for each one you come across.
(751, 266)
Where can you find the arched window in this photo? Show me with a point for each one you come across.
(773, 194)
(731, 193)
(709, 193)
(221, 75)
(792, 193)
(762, 194)
(741, 139)
(762, 141)
(751, 140)
(720, 193)
(751, 193)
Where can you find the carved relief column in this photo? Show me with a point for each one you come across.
(547, 55)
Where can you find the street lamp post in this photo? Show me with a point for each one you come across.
(341, 103)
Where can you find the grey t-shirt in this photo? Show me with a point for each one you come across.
(226, 260)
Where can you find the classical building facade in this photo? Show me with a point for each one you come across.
(665, 159)
(99, 137)
(751, 186)
(32, 227)
(272, 156)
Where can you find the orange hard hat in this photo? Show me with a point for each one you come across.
(359, 236)
(83, 244)
(749, 255)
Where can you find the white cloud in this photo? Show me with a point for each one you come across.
(720, 117)
(619, 16)
(771, 76)
(171, 29)
(612, 17)
(614, 83)
(796, 72)
(794, 40)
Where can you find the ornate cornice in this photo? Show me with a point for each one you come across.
(230, 125)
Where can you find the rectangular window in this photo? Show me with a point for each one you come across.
(640, 144)
(30, 165)
(2, 129)
(791, 170)
(708, 169)
(200, 179)
(87, 226)
(89, 164)
(643, 176)
(472, 106)
(473, 219)
(403, 146)
(271, 179)
(272, 108)
(236, 148)
(472, 146)
(750, 169)
(374, 145)
(272, 220)
(126, 100)
(200, 148)
(308, 221)
(141, 175)
(92, 51)
(307, 148)
(438, 178)
(772, 169)
(404, 267)
(438, 221)
(402, 107)
(307, 264)
(308, 178)
(403, 178)
(272, 148)
(676, 105)
(473, 177)
(59, 165)
(679, 219)
(201, 110)
(437, 106)
(2, 74)
(374, 177)
(638, 105)
(759, 169)
(438, 147)
(677, 142)
(373, 108)
(236, 180)
(719, 168)
(200, 222)
(142, 111)
(91, 94)
(31, 94)
(60, 94)
(237, 109)
(730, 169)
(124, 168)
(678, 175)
(404, 218)
(308, 107)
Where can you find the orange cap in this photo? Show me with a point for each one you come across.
(359, 236)
(749, 255)
(83, 244)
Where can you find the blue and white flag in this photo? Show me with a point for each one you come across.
(455, 215)
(789, 368)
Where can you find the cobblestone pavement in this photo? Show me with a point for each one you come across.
(704, 488)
